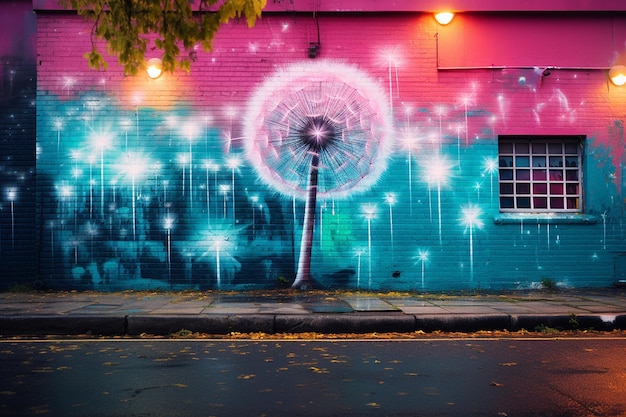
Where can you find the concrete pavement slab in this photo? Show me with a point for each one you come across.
(255, 308)
(468, 309)
(368, 304)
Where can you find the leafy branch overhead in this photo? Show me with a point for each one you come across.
(132, 28)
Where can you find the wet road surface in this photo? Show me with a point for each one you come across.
(447, 377)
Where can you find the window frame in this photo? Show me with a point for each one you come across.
(526, 185)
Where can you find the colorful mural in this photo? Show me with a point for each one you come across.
(329, 172)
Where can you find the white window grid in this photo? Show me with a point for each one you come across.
(540, 175)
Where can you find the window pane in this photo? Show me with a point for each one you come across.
(539, 174)
(571, 175)
(522, 174)
(571, 189)
(506, 174)
(556, 202)
(539, 161)
(555, 148)
(506, 188)
(539, 148)
(556, 175)
(523, 202)
(540, 188)
(572, 203)
(556, 188)
(571, 147)
(571, 161)
(540, 202)
(522, 161)
(506, 162)
(522, 188)
(556, 161)
(521, 148)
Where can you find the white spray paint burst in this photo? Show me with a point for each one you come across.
(344, 99)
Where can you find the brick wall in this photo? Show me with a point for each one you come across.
(17, 144)
(145, 183)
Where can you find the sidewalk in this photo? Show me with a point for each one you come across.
(136, 313)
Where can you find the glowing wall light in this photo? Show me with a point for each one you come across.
(154, 68)
(617, 75)
(443, 18)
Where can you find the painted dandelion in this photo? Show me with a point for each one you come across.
(318, 129)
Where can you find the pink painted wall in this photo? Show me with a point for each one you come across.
(408, 41)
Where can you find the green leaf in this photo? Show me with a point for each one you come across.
(126, 26)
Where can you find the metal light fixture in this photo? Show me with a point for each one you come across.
(443, 18)
(154, 68)
(313, 49)
(617, 75)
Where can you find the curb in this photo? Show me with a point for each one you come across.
(211, 324)
(568, 322)
(134, 325)
(333, 323)
(463, 323)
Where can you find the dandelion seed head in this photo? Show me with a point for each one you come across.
(323, 109)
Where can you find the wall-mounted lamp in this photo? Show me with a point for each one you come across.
(154, 68)
(314, 48)
(443, 18)
(617, 75)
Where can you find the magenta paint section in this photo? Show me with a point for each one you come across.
(17, 29)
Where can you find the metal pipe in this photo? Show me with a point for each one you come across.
(503, 67)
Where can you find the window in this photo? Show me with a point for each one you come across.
(540, 173)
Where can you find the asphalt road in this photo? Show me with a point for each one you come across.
(446, 377)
